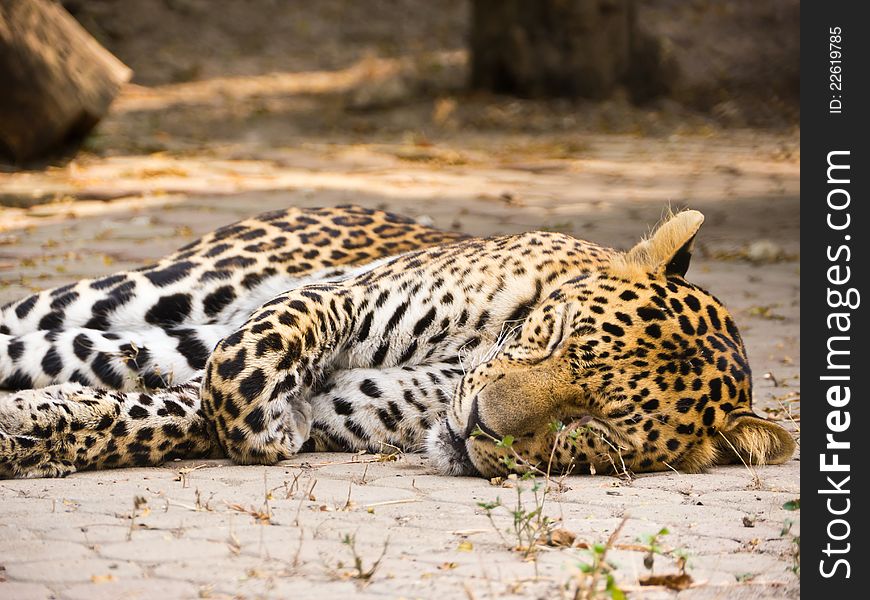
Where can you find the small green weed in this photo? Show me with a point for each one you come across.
(793, 505)
(595, 577)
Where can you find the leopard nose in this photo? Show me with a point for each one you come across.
(475, 422)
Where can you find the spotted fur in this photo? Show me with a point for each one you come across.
(346, 329)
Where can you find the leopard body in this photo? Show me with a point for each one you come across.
(355, 329)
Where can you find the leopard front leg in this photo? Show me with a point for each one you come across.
(260, 379)
(61, 429)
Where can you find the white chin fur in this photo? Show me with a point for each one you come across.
(446, 459)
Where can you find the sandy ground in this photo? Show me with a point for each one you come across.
(211, 529)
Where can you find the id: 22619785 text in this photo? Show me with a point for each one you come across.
(835, 70)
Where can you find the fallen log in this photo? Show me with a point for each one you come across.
(56, 80)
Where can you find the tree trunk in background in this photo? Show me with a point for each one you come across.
(574, 48)
(56, 81)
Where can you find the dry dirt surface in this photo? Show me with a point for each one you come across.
(242, 117)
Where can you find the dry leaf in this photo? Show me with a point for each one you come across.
(102, 578)
(234, 545)
(465, 546)
(560, 538)
(674, 581)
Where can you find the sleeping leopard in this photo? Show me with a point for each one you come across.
(348, 329)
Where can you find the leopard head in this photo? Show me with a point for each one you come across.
(627, 368)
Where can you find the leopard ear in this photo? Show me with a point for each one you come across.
(749, 438)
(669, 250)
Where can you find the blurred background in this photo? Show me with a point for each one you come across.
(584, 116)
